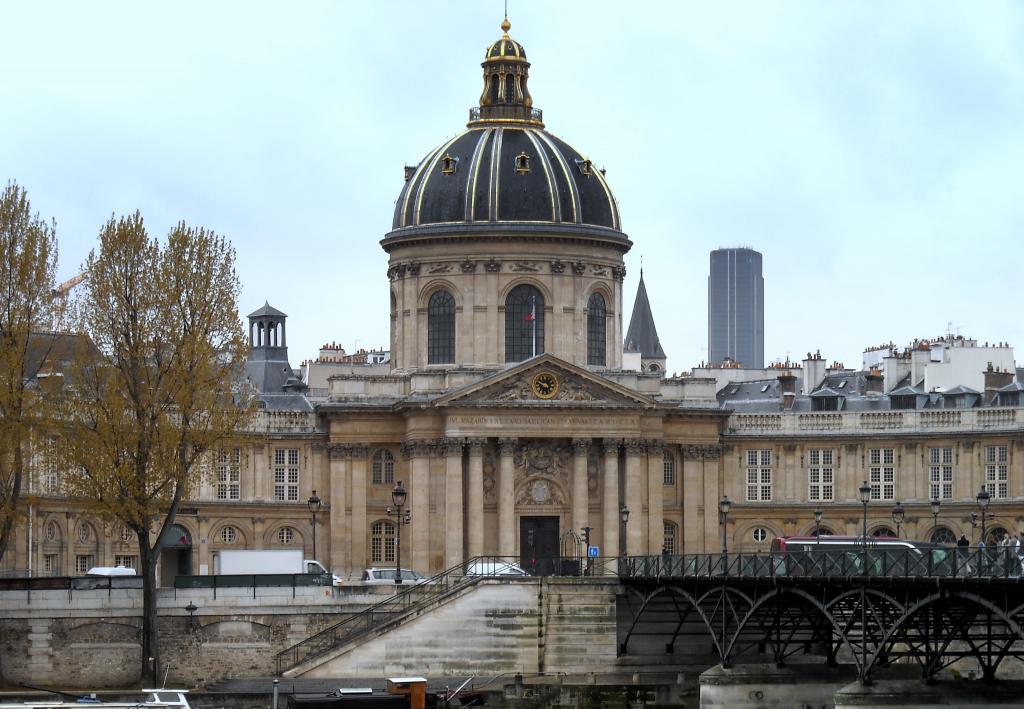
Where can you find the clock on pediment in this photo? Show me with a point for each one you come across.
(545, 385)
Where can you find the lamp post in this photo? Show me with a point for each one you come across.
(983, 500)
(191, 609)
(624, 517)
(898, 515)
(314, 503)
(817, 525)
(724, 505)
(936, 506)
(865, 495)
(586, 540)
(399, 496)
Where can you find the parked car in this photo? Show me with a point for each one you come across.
(387, 576)
(494, 568)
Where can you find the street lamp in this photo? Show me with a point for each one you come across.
(191, 609)
(624, 516)
(898, 515)
(399, 496)
(314, 507)
(817, 525)
(865, 496)
(724, 505)
(983, 500)
(936, 506)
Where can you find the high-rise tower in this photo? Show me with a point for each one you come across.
(736, 307)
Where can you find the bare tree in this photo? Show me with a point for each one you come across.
(163, 387)
(28, 262)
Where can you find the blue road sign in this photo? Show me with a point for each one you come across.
(593, 552)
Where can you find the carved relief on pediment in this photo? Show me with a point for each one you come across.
(522, 388)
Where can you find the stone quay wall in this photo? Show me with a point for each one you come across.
(92, 639)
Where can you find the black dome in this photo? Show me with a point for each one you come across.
(506, 174)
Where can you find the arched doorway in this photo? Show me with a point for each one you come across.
(175, 555)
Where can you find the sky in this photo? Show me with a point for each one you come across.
(873, 152)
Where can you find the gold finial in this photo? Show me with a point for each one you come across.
(506, 25)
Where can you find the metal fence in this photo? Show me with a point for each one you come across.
(253, 581)
(944, 562)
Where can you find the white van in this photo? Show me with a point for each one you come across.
(494, 568)
(111, 571)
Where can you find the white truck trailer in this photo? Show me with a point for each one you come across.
(267, 561)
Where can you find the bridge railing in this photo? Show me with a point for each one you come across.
(939, 562)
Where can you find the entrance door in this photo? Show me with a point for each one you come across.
(538, 545)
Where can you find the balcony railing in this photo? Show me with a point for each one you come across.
(871, 422)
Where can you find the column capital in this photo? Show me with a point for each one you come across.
(655, 446)
(712, 452)
(476, 445)
(452, 446)
(507, 446)
(691, 452)
(634, 446)
(339, 451)
(581, 445)
(360, 450)
(611, 446)
(416, 449)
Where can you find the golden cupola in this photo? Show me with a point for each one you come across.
(505, 97)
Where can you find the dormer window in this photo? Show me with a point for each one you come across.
(448, 164)
(522, 163)
(842, 385)
(586, 167)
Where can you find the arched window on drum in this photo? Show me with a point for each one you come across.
(441, 328)
(597, 341)
(524, 323)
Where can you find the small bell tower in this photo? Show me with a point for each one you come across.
(505, 96)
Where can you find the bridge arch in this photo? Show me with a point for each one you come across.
(930, 665)
(778, 593)
(701, 604)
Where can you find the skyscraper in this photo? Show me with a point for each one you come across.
(736, 307)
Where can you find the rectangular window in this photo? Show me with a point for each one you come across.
(669, 543)
(126, 560)
(669, 468)
(759, 475)
(882, 473)
(228, 473)
(51, 481)
(51, 565)
(940, 473)
(286, 474)
(83, 562)
(820, 475)
(996, 471)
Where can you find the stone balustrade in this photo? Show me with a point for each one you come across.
(873, 422)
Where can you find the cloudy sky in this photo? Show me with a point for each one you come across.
(872, 151)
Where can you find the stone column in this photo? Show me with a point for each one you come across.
(418, 531)
(713, 491)
(453, 551)
(636, 528)
(580, 492)
(506, 497)
(475, 497)
(655, 497)
(610, 499)
(358, 530)
(340, 462)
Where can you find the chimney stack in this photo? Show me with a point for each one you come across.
(874, 381)
(994, 380)
(787, 390)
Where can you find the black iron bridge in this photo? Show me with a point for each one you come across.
(873, 607)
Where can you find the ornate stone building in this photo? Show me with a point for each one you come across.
(515, 411)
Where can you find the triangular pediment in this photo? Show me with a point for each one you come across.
(545, 380)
